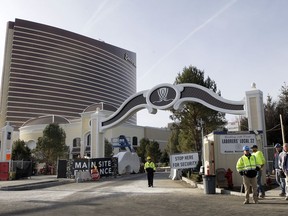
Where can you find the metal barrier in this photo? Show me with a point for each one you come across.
(21, 169)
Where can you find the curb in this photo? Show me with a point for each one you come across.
(218, 190)
(49, 183)
(33, 186)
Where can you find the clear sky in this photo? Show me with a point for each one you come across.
(235, 42)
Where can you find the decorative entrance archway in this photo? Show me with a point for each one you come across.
(168, 96)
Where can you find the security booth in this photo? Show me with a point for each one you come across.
(221, 151)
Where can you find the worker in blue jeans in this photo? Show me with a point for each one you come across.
(279, 177)
(261, 159)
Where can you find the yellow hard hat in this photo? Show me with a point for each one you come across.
(148, 158)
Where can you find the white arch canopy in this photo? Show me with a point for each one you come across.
(168, 96)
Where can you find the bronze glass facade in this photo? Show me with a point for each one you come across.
(51, 71)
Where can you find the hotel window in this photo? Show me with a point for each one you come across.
(76, 142)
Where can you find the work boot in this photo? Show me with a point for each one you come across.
(246, 202)
(262, 195)
(282, 194)
(286, 198)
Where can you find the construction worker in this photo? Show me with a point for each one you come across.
(283, 165)
(247, 166)
(280, 179)
(150, 168)
(261, 159)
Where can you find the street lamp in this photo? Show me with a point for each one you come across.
(200, 127)
(282, 129)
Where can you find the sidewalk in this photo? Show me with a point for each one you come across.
(33, 182)
(273, 193)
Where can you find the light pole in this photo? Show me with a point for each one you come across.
(282, 129)
(200, 127)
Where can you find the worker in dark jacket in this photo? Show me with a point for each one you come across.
(280, 179)
(283, 165)
(150, 168)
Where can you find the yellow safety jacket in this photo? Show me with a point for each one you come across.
(247, 164)
(150, 165)
(260, 157)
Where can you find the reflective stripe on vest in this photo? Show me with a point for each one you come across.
(249, 164)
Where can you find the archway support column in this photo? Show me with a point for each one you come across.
(97, 135)
(255, 112)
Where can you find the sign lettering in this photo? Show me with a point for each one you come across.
(184, 161)
(233, 144)
(105, 166)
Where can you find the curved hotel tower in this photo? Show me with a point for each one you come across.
(50, 71)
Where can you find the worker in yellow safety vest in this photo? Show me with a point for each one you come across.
(150, 168)
(247, 166)
(261, 159)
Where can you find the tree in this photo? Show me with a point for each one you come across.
(51, 146)
(244, 123)
(165, 158)
(153, 150)
(21, 151)
(149, 148)
(141, 150)
(189, 118)
(272, 122)
(282, 108)
(173, 142)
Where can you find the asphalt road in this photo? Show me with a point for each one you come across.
(130, 195)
